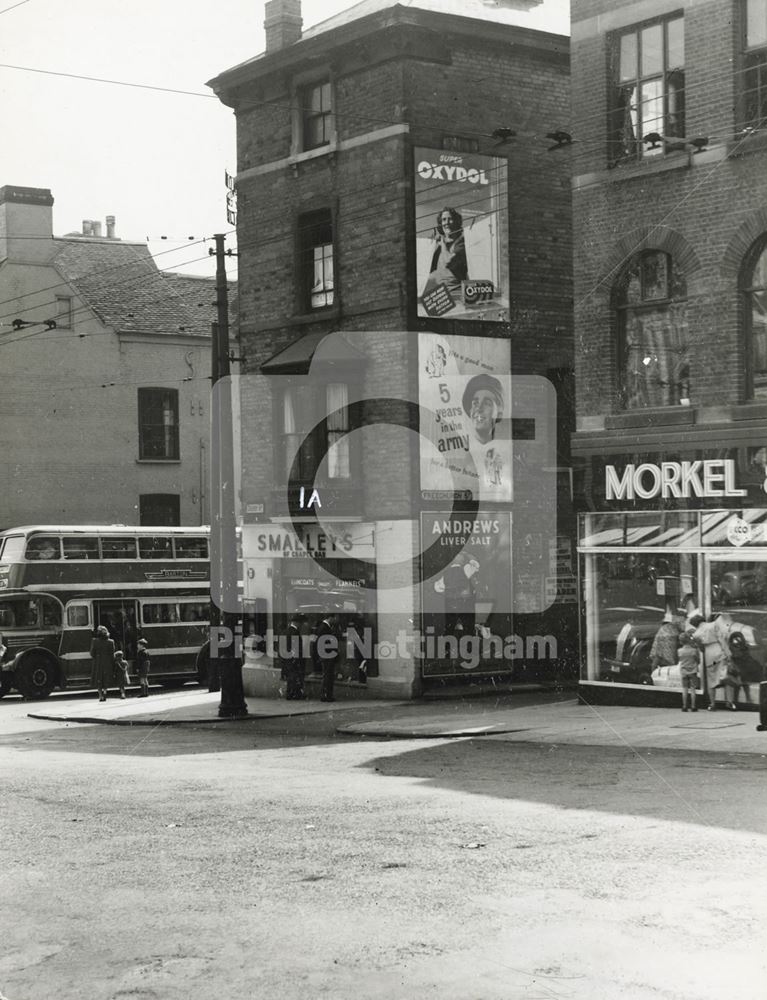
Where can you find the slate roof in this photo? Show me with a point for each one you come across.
(121, 282)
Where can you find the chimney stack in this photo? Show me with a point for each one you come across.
(282, 23)
(110, 227)
(26, 212)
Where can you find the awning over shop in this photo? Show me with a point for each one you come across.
(330, 351)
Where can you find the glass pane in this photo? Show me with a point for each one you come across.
(77, 616)
(13, 546)
(191, 548)
(674, 529)
(628, 58)
(80, 547)
(118, 548)
(325, 97)
(155, 547)
(195, 611)
(652, 50)
(636, 616)
(759, 341)
(756, 23)
(654, 276)
(651, 112)
(51, 611)
(43, 547)
(735, 653)
(161, 613)
(759, 277)
(675, 42)
(657, 352)
(675, 97)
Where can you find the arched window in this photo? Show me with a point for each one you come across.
(650, 301)
(754, 289)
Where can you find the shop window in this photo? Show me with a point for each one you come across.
(316, 115)
(647, 89)
(650, 302)
(754, 291)
(315, 236)
(754, 94)
(158, 424)
(160, 509)
(304, 407)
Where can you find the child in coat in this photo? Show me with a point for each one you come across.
(142, 666)
(121, 672)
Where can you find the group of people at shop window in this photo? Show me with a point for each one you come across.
(316, 648)
(713, 654)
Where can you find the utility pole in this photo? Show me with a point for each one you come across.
(225, 665)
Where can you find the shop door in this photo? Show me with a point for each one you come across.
(736, 586)
(119, 619)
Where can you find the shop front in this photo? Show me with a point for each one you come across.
(646, 574)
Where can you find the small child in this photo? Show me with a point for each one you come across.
(689, 662)
(142, 666)
(121, 672)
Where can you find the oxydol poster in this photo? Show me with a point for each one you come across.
(464, 391)
(462, 236)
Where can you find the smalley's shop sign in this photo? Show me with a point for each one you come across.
(337, 541)
(707, 478)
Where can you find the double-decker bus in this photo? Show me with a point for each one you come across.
(58, 583)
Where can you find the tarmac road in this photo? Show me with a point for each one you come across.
(277, 861)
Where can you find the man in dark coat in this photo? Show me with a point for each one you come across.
(294, 661)
(102, 661)
(326, 655)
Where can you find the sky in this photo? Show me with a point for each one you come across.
(154, 160)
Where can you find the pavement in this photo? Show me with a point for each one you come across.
(526, 717)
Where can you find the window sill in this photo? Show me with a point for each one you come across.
(312, 154)
(634, 170)
(754, 143)
(158, 461)
(317, 316)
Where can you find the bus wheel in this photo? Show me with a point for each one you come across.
(35, 676)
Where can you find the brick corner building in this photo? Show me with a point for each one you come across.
(670, 187)
(392, 229)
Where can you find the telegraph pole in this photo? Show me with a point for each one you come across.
(225, 665)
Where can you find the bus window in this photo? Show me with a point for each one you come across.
(155, 547)
(51, 612)
(78, 616)
(7, 615)
(196, 611)
(28, 614)
(118, 548)
(191, 547)
(80, 547)
(160, 613)
(13, 548)
(43, 547)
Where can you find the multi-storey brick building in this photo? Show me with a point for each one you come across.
(104, 414)
(670, 189)
(403, 227)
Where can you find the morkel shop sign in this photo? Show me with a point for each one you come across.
(706, 478)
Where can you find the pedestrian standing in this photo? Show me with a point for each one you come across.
(689, 664)
(102, 661)
(326, 655)
(294, 662)
(121, 672)
(142, 667)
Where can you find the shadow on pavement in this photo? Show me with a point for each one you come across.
(719, 790)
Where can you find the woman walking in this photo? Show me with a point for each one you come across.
(102, 661)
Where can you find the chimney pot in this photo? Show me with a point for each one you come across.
(87, 231)
(282, 23)
(96, 226)
(110, 227)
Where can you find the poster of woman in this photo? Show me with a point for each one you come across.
(461, 236)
